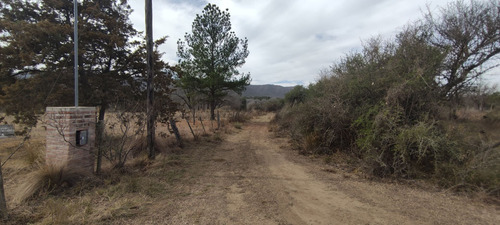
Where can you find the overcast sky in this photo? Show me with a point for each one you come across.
(290, 41)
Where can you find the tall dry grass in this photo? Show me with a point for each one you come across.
(46, 180)
(40, 194)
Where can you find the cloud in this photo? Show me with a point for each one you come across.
(290, 41)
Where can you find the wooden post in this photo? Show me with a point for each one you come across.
(3, 204)
(176, 133)
(201, 121)
(100, 142)
(194, 136)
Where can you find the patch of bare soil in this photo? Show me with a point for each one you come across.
(253, 178)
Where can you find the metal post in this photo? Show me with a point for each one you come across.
(75, 6)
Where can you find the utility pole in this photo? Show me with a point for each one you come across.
(150, 108)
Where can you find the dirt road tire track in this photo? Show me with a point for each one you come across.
(253, 178)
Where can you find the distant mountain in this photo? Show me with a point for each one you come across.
(269, 90)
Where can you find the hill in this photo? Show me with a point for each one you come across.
(270, 90)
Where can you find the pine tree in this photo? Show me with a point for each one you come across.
(36, 55)
(212, 54)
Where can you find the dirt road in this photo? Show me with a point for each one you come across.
(254, 178)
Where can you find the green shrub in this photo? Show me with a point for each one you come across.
(417, 150)
(268, 105)
(296, 96)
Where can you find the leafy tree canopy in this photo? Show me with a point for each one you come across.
(36, 55)
(297, 95)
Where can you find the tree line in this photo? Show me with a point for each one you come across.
(36, 59)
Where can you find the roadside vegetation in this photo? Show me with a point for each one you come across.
(413, 106)
(263, 104)
(41, 194)
(37, 71)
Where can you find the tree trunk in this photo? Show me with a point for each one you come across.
(100, 137)
(191, 129)
(212, 110)
(218, 120)
(203, 126)
(3, 204)
(176, 133)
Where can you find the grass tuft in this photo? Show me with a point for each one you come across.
(48, 179)
(33, 153)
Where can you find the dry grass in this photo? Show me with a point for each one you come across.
(114, 196)
(237, 125)
(32, 153)
(53, 195)
(57, 212)
(47, 179)
(479, 150)
(470, 114)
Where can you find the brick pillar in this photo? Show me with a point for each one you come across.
(63, 124)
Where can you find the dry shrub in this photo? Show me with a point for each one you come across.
(267, 105)
(473, 159)
(311, 143)
(48, 179)
(240, 117)
(484, 170)
(383, 105)
(470, 114)
(316, 126)
(492, 117)
(138, 147)
(123, 130)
